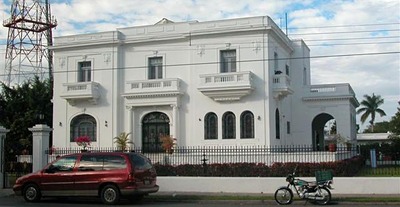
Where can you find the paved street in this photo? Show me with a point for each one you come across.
(12, 201)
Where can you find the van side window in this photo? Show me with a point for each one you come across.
(91, 163)
(114, 162)
(98, 162)
(140, 163)
(64, 164)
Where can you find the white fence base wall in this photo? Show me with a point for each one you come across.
(268, 185)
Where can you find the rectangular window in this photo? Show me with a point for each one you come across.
(84, 71)
(305, 76)
(276, 65)
(155, 68)
(287, 69)
(288, 127)
(228, 61)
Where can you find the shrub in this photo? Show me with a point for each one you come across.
(349, 167)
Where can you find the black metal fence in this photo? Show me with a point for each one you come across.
(206, 155)
(266, 155)
(230, 154)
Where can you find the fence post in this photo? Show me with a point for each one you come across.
(3, 132)
(204, 160)
(40, 142)
(373, 158)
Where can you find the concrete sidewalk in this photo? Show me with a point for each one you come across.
(336, 198)
(6, 192)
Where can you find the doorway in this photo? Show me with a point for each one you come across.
(154, 125)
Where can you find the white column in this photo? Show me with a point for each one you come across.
(3, 133)
(133, 131)
(131, 126)
(40, 143)
(175, 115)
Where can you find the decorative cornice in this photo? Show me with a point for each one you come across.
(150, 95)
(350, 98)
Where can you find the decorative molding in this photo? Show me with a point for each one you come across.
(200, 50)
(256, 46)
(107, 58)
(62, 61)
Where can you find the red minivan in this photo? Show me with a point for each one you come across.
(108, 175)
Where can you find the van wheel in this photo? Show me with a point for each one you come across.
(31, 193)
(110, 195)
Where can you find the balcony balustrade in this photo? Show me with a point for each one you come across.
(154, 87)
(281, 86)
(79, 91)
(226, 86)
(330, 91)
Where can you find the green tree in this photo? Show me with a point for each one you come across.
(21, 107)
(394, 124)
(379, 127)
(370, 107)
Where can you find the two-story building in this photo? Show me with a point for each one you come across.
(227, 82)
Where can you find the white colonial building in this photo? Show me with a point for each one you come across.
(229, 82)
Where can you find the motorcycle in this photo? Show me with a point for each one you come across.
(317, 192)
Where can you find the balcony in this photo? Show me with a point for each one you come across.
(281, 86)
(81, 91)
(152, 88)
(226, 86)
(330, 92)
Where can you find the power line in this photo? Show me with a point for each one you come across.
(356, 43)
(349, 25)
(216, 46)
(346, 32)
(243, 61)
(351, 38)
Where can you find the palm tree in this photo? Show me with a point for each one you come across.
(370, 108)
(122, 141)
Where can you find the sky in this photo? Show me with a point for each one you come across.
(353, 41)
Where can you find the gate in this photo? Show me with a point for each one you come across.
(15, 165)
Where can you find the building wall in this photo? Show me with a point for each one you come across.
(190, 50)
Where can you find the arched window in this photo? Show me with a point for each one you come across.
(83, 125)
(211, 126)
(277, 125)
(246, 125)
(228, 126)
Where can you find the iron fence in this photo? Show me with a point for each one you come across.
(267, 155)
(230, 154)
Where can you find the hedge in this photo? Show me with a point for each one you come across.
(347, 168)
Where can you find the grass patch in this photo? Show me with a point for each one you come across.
(209, 197)
(180, 197)
(380, 172)
(369, 199)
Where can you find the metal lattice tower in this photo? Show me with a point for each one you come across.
(29, 35)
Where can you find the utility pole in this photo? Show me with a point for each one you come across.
(29, 36)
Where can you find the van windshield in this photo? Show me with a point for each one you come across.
(140, 163)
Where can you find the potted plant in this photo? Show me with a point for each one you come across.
(168, 143)
(83, 141)
(122, 141)
(343, 141)
(337, 139)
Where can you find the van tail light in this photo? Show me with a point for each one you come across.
(131, 177)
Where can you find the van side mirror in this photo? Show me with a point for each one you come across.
(50, 169)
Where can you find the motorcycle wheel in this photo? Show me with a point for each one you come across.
(322, 196)
(283, 196)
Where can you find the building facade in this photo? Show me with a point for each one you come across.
(229, 82)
